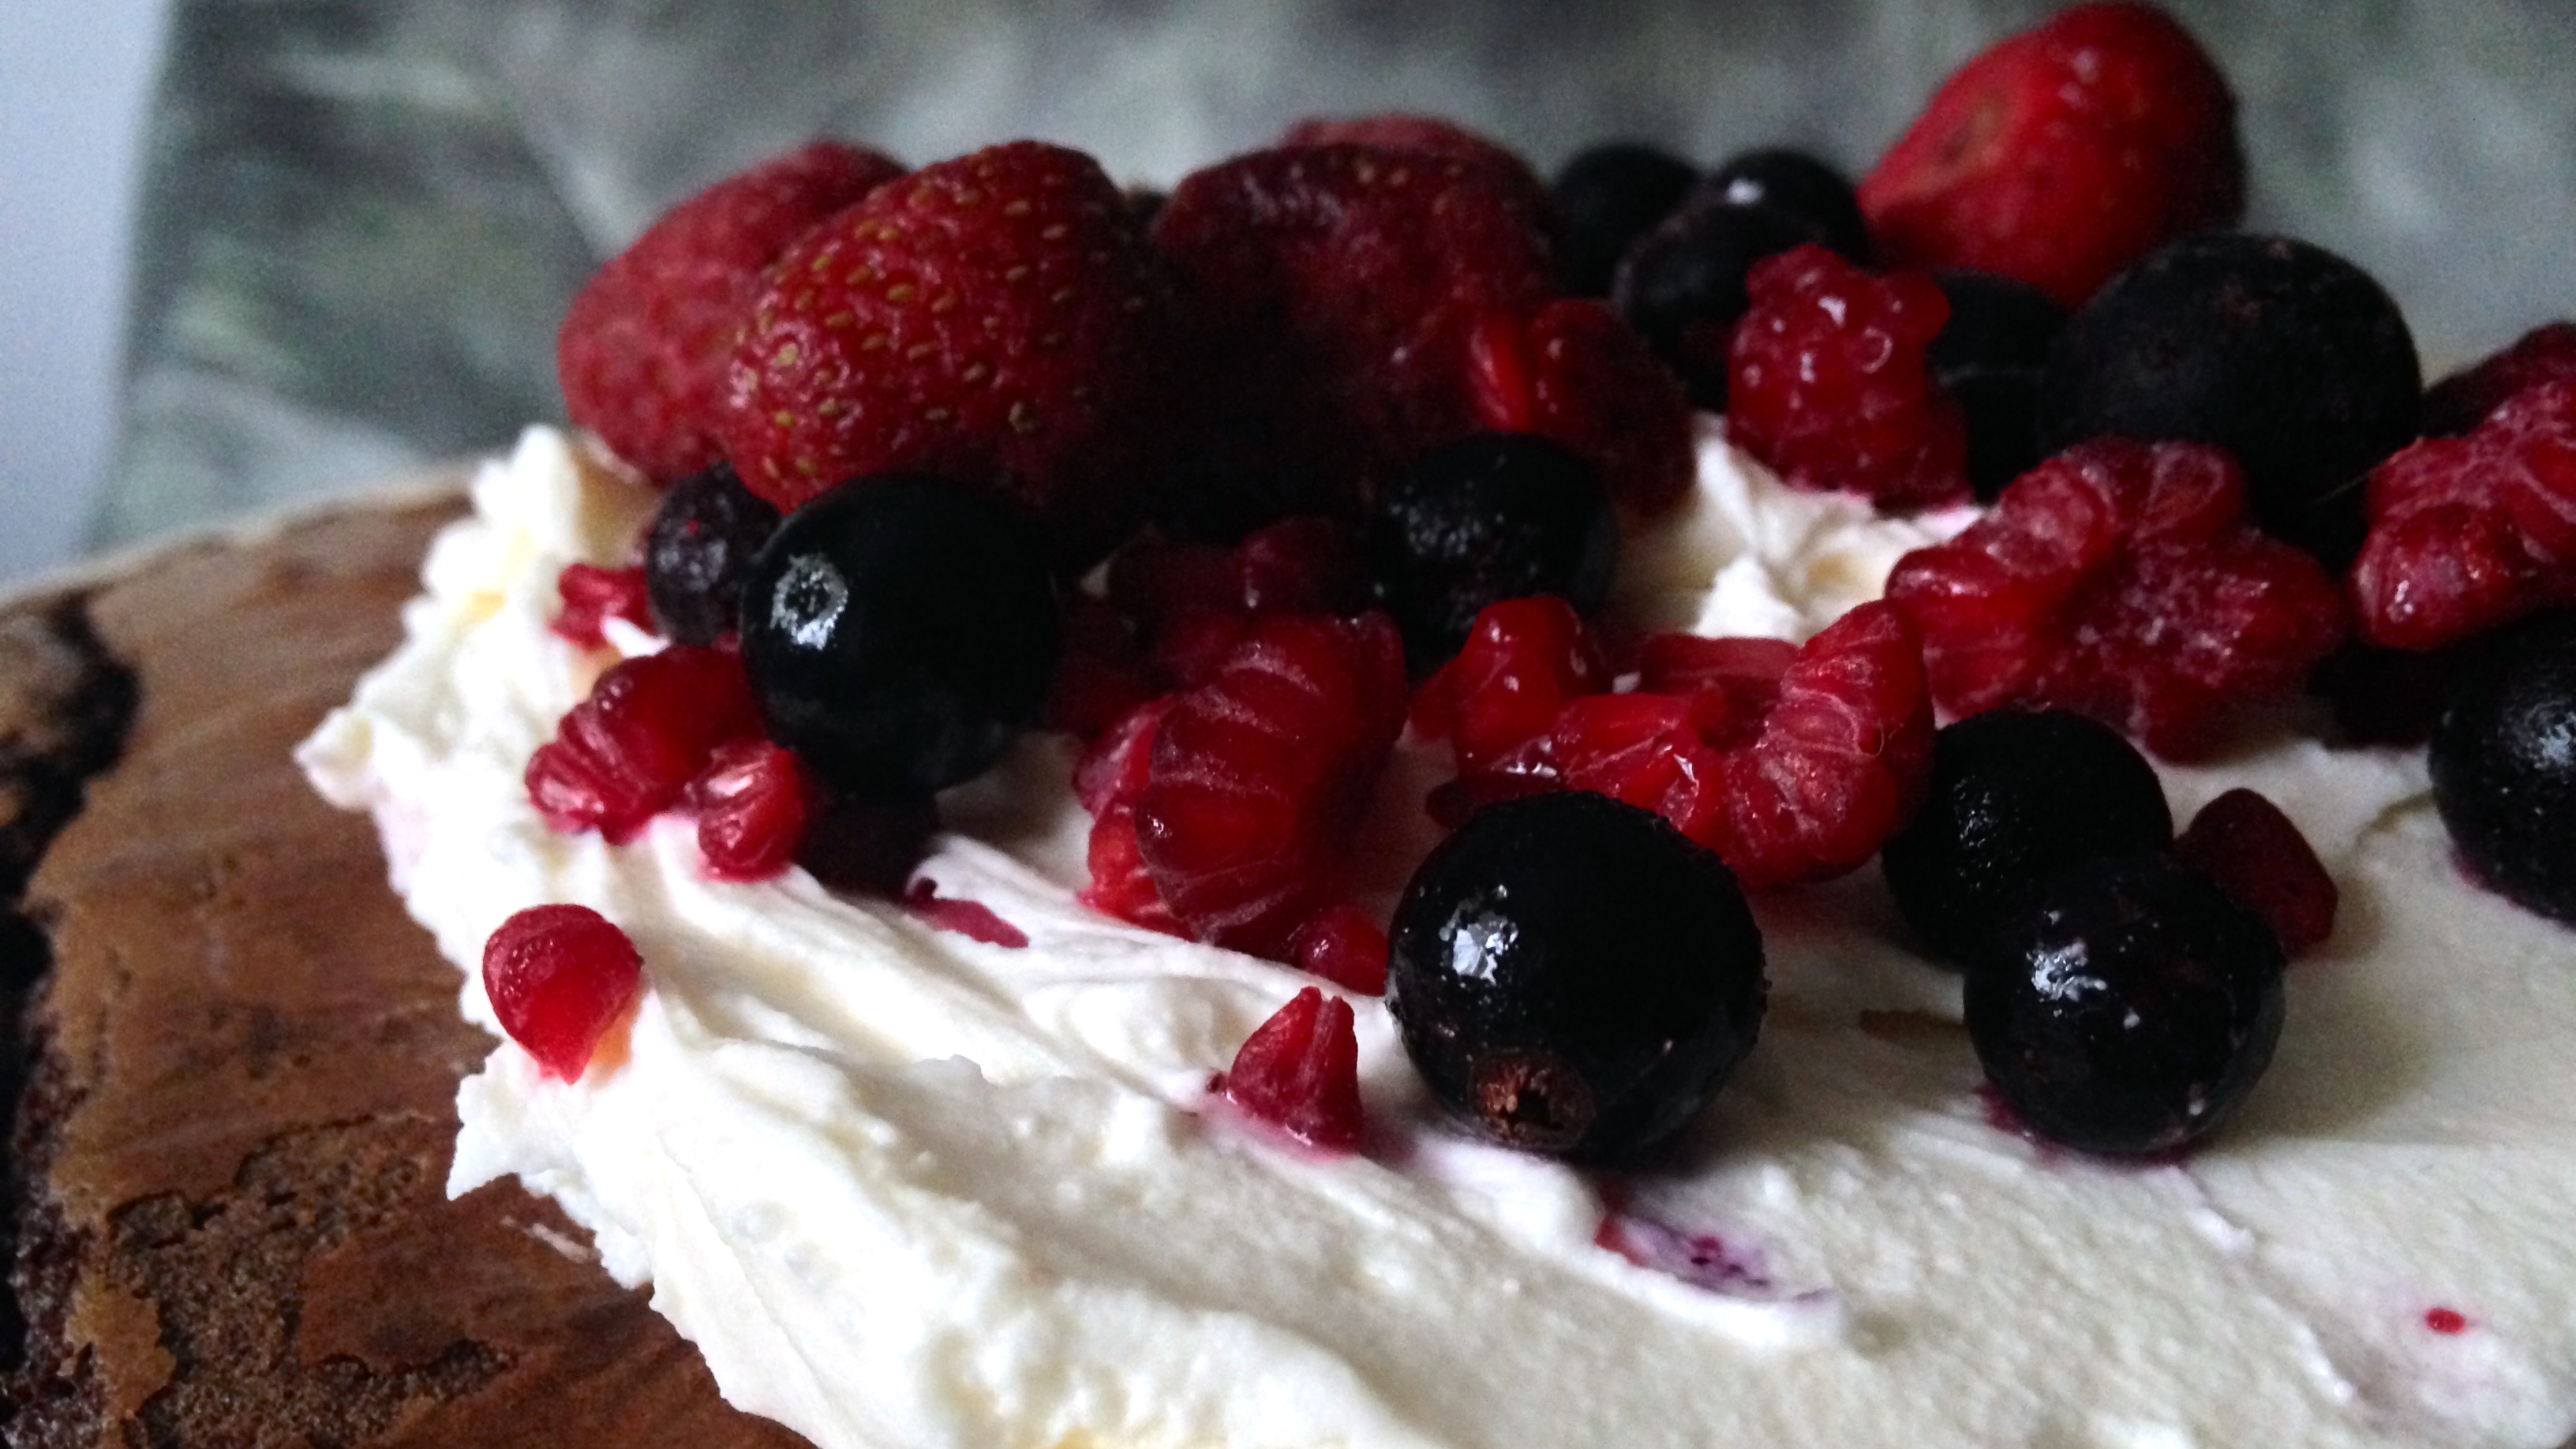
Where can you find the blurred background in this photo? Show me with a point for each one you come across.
(254, 250)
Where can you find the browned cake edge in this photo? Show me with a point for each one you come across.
(227, 1185)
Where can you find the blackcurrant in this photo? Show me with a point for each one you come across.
(1606, 198)
(1491, 517)
(698, 549)
(2504, 765)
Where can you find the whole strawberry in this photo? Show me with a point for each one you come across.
(2060, 155)
(644, 350)
(995, 320)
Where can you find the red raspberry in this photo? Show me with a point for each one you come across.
(1578, 374)
(1260, 777)
(1399, 131)
(1343, 945)
(649, 726)
(2257, 857)
(753, 802)
(593, 595)
(2062, 154)
(1737, 680)
(1522, 661)
(645, 347)
(1300, 1072)
(2126, 582)
(1101, 674)
(1334, 288)
(2458, 403)
(559, 977)
(1194, 602)
(2469, 534)
(996, 319)
(1108, 779)
(1828, 384)
(1807, 789)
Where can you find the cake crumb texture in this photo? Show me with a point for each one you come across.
(232, 1143)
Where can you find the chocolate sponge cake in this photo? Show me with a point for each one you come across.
(236, 1104)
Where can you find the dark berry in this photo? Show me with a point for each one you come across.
(899, 632)
(2504, 765)
(1989, 356)
(559, 977)
(699, 549)
(1573, 976)
(2016, 794)
(1799, 184)
(2130, 1010)
(1492, 517)
(2245, 846)
(1683, 285)
(1606, 198)
(2284, 354)
(868, 846)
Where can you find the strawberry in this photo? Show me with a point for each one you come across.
(1577, 373)
(996, 320)
(2060, 155)
(645, 347)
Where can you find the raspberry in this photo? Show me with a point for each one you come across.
(2124, 581)
(1523, 660)
(2468, 534)
(2060, 155)
(1107, 780)
(1101, 675)
(2255, 855)
(1578, 374)
(2458, 403)
(753, 802)
(1260, 776)
(1736, 681)
(644, 348)
(1345, 947)
(1398, 131)
(649, 726)
(592, 596)
(1827, 382)
(1300, 1072)
(994, 320)
(559, 977)
(1335, 288)
(1805, 790)
(1192, 603)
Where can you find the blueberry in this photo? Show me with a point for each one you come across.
(1682, 285)
(2284, 354)
(2130, 1010)
(1990, 356)
(899, 631)
(700, 545)
(1572, 975)
(1491, 517)
(2015, 795)
(1606, 198)
(1799, 184)
(2504, 765)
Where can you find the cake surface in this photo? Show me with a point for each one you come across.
(232, 1153)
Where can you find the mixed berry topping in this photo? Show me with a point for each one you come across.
(648, 727)
(2125, 581)
(1299, 1072)
(1606, 197)
(1344, 945)
(900, 633)
(2244, 845)
(1576, 374)
(2504, 766)
(559, 977)
(1573, 976)
(2129, 1010)
(1684, 286)
(699, 550)
(1497, 701)
(592, 596)
(1492, 517)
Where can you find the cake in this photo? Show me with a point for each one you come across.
(963, 1164)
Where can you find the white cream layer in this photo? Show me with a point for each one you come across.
(907, 1190)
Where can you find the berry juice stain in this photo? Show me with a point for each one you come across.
(1703, 1260)
(2446, 1321)
(965, 918)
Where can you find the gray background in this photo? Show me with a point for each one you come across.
(364, 217)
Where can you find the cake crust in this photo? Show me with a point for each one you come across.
(233, 1142)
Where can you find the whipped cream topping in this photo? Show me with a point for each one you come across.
(904, 1188)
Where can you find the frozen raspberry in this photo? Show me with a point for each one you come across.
(994, 320)
(1522, 661)
(2062, 154)
(592, 596)
(2124, 581)
(1101, 674)
(1300, 1072)
(1108, 780)
(1737, 680)
(645, 346)
(559, 977)
(753, 802)
(1345, 947)
(1579, 375)
(2468, 534)
(1335, 288)
(1807, 790)
(2458, 403)
(1260, 776)
(648, 728)
(1827, 382)
(2255, 855)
